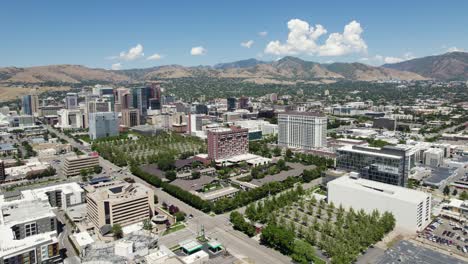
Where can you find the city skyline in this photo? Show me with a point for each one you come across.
(208, 33)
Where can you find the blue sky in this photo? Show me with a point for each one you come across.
(101, 33)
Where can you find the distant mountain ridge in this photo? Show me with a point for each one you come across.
(286, 70)
(446, 67)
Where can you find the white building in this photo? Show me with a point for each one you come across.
(302, 130)
(434, 157)
(70, 118)
(411, 208)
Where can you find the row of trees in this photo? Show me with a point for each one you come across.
(239, 223)
(244, 198)
(50, 171)
(261, 211)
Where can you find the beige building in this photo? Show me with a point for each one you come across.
(73, 165)
(118, 203)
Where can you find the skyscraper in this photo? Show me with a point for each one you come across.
(103, 124)
(302, 130)
(26, 106)
(34, 102)
(71, 101)
(130, 117)
(231, 104)
(243, 102)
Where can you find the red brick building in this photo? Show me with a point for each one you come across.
(225, 143)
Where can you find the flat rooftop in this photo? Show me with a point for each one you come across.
(116, 190)
(378, 188)
(20, 212)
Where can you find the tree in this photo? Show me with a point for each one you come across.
(289, 154)
(156, 200)
(464, 196)
(281, 164)
(180, 216)
(147, 225)
(117, 231)
(97, 169)
(276, 152)
(278, 238)
(455, 192)
(303, 252)
(446, 190)
(84, 172)
(171, 175)
(196, 175)
(239, 223)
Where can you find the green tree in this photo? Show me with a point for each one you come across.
(117, 231)
(455, 192)
(303, 252)
(97, 169)
(446, 190)
(180, 216)
(463, 196)
(276, 152)
(278, 238)
(171, 175)
(147, 225)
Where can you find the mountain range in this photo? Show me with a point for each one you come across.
(449, 66)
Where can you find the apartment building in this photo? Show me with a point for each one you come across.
(411, 208)
(73, 165)
(225, 143)
(302, 130)
(28, 233)
(118, 203)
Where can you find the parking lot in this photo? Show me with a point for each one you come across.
(448, 234)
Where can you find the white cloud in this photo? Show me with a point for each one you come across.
(263, 33)
(133, 53)
(379, 59)
(247, 44)
(197, 51)
(116, 66)
(302, 39)
(155, 56)
(454, 49)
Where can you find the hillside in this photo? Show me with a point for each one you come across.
(445, 67)
(287, 69)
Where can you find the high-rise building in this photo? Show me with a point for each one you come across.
(71, 118)
(130, 117)
(2, 170)
(302, 130)
(201, 109)
(243, 102)
(103, 124)
(140, 98)
(389, 164)
(118, 203)
(224, 143)
(34, 102)
(26, 105)
(231, 104)
(71, 101)
(411, 208)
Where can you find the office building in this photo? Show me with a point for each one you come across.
(117, 202)
(73, 165)
(302, 130)
(384, 123)
(389, 164)
(103, 124)
(225, 143)
(71, 101)
(140, 97)
(231, 104)
(71, 118)
(130, 117)
(411, 208)
(243, 102)
(28, 232)
(26, 107)
(201, 109)
(434, 157)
